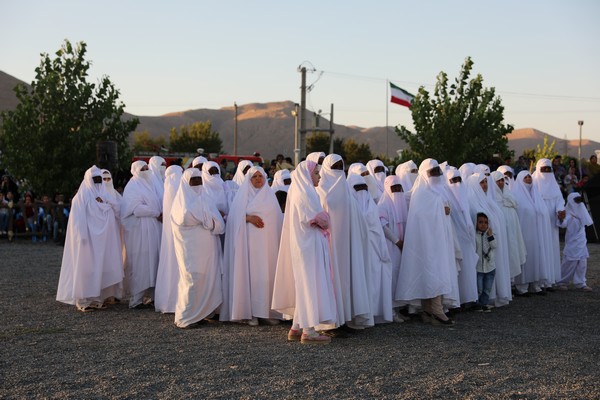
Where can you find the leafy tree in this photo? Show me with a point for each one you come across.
(317, 141)
(547, 151)
(459, 123)
(51, 137)
(355, 152)
(143, 142)
(197, 135)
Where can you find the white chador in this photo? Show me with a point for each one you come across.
(196, 225)
(393, 214)
(536, 230)
(348, 245)
(361, 169)
(480, 202)
(465, 235)
(575, 254)
(158, 166)
(379, 266)
(140, 213)
(279, 181)
(167, 277)
(92, 263)
(507, 203)
(377, 171)
(250, 255)
(408, 173)
(546, 185)
(232, 186)
(303, 281)
(429, 267)
(213, 185)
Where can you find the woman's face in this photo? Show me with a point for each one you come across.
(484, 185)
(527, 179)
(257, 180)
(315, 177)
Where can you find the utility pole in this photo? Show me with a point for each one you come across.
(580, 123)
(296, 137)
(235, 129)
(303, 113)
(331, 130)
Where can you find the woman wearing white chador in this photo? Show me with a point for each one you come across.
(506, 201)
(536, 229)
(303, 281)
(479, 201)
(196, 225)
(377, 171)
(546, 185)
(379, 267)
(428, 275)
(279, 181)
(348, 244)
(167, 277)
(251, 247)
(393, 214)
(141, 217)
(213, 185)
(92, 263)
(158, 166)
(465, 235)
(361, 169)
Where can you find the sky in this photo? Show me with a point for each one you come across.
(541, 56)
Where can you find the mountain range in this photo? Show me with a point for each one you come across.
(268, 128)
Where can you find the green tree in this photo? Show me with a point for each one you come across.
(547, 151)
(142, 141)
(460, 123)
(51, 137)
(317, 141)
(197, 135)
(357, 152)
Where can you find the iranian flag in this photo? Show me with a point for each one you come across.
(400, 96)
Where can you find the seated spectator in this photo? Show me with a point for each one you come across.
(592, 168)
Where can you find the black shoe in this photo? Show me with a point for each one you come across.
(526, 294)
(541, 293)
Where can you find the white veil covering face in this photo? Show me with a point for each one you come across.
(142, 232)
(548, 188)
(378, 176)
(536, 230)
(278, 179)
(348, 245)
(214, 186)
(196, 224)
(158, 175)
(250, 255)
(479, 201)
(428, 259)
(359, 169)
(466, 170)
(167, 277)
(92, 263)
(303, 282)
(465, 235)
(113, 195)
(379, 267)
(199, 160)
(407, 178)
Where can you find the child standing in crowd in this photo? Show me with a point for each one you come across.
(486, 267)
(575, 253)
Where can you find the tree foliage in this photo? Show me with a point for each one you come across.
(51, 137)
(547, 151)
(317, 141)
(142, 141)
(197, 135)
(458, 123)
(357, 152)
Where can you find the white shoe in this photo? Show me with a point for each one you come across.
(253, 321)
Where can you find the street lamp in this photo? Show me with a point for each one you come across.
(580, 123)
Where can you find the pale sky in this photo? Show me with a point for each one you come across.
(542, 56)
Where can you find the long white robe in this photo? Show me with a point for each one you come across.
(250, 254)
(348, 243)
(379, 177)
(575, 253)
(214, 187)
(92, 264)
(142, 233)
(278, 179)
(303, 280)
(465, 235)
(548, 188)
(196, 224)
(379, 266)
(155, 164)
(167, 276)
(428, 258)
(516, 246)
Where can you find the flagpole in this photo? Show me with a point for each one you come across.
(387, 97)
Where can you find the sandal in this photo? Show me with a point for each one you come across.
(314, 338)
(294, 335)
(85, 309)
(97, 305)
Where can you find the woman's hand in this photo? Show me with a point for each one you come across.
(255, 220)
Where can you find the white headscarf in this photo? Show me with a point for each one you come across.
(315, 156)
(199, 160)
(578, 210)
(238, 178)
(278, 179)
(185, 197)
(158, 173)
(545, 182)
(214, 186)
(359, 169)
(109, 186)
(140, 190)
(378, 176)
(484, 169)
(407, 177)
(392, 207)
(466, 170)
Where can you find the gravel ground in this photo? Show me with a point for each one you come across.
(536, 348)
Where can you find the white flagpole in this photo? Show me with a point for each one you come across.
(387, 101)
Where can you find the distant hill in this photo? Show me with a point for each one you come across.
(269, 128)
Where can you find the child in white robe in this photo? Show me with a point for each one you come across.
(575, 253)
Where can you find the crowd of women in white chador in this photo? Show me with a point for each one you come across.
(350, 250)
